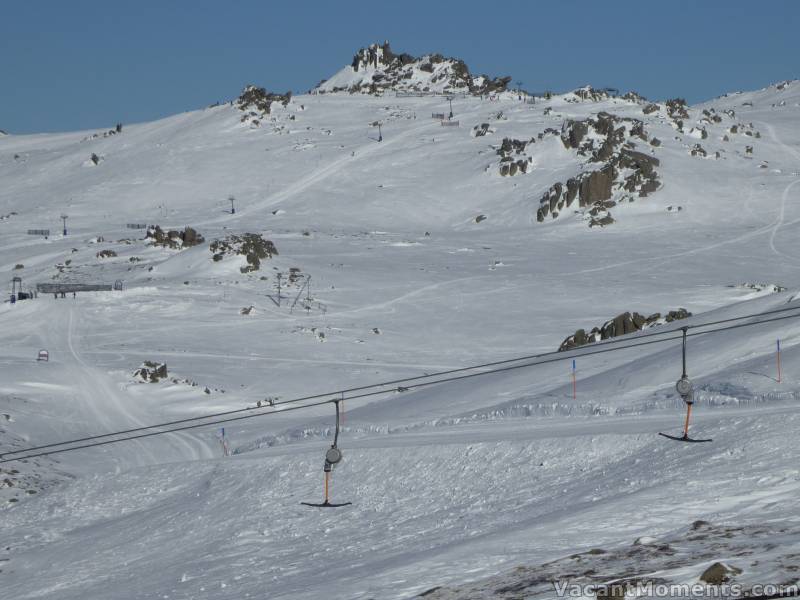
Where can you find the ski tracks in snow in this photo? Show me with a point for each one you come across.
(319, 175)
(104, 403)
(782, 212)
(772, 228)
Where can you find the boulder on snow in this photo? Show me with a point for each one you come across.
(173, 238)
(250, 245)
(151, 372)
(719, 573)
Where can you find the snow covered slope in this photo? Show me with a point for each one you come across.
(418, 253)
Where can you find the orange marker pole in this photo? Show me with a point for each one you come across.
(686, 425)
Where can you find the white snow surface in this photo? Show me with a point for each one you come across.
(469, 485)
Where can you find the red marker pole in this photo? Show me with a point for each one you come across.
(778, 357)
(574, 382)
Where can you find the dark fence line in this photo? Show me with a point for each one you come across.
(63, 288)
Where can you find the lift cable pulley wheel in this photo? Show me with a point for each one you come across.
(685, 390)
(333, 456)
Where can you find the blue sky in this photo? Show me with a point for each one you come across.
(79, 64)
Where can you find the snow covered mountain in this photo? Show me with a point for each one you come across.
(272, 248)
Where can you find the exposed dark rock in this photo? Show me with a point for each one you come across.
(510, 145)
(597, 186)
(634, 96)
(151, 371)
(573, 187)
(676, 108)
(258, 98)
(509, 148)
(191, 237)
(644, 177)
(590, 93)
(574, 134)
(698, 150)
(250, 245)
(650, 108)
(719, 573)
(602, 221)
(481, 130)
(622, 324)
(676, 315)
(395, 72)
(609, 126)
(172, 238)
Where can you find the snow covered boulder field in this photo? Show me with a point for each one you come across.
(268, 259)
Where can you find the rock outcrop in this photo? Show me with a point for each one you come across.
(173, 239)
(151, 372)
(377, 69)
(512, 156)
(256, 103)
(482, 130)
(719, 573)
(625, 172)
(587, 93)
(250, 245)
(622, 324)
(677, 110)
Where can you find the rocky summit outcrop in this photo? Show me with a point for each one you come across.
(622, 324)
(250, 245)
(377, 69)
(587, 93)
(623, 175)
